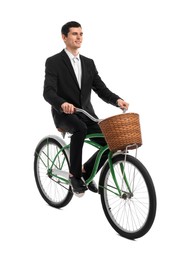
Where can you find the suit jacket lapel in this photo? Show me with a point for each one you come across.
(69, 66)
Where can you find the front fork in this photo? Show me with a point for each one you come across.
(123, 175)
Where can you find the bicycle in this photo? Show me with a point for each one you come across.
(126, 189)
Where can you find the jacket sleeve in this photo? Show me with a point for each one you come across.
(50, 86)
(102, 91)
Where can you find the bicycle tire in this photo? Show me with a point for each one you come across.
(131, 214)
(53, 192)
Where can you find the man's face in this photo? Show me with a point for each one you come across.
(74, 39)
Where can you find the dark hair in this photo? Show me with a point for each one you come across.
(66, 27)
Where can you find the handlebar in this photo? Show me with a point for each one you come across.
(90, 116)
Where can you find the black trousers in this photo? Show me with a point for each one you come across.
(79, 126)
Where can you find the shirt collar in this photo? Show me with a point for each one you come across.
(71, 56)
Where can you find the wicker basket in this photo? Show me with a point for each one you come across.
(121, 131)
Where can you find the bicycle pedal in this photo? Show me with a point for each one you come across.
(79, 195)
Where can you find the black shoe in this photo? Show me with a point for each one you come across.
(78, 186)
(93, 187)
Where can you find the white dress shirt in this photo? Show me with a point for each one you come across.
(76, 64)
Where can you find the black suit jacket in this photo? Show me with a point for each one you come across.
(61, 84)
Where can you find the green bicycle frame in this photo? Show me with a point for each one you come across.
(101, 149)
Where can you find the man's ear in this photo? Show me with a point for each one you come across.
(64, 37)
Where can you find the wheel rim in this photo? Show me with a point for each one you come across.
(129, 211)
(51, 187)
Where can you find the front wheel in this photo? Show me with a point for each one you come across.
(55, 192)
(128, 196)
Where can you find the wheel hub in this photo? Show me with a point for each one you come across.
(127, 195)
(49, 173)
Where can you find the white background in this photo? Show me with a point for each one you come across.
(142, 52)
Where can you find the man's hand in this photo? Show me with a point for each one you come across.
(122, 104)
(68, 108)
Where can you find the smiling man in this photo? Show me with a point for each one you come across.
(69, 80)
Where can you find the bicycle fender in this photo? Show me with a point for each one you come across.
(58, 139)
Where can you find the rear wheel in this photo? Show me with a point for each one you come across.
(55, 192)
(132, 212)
